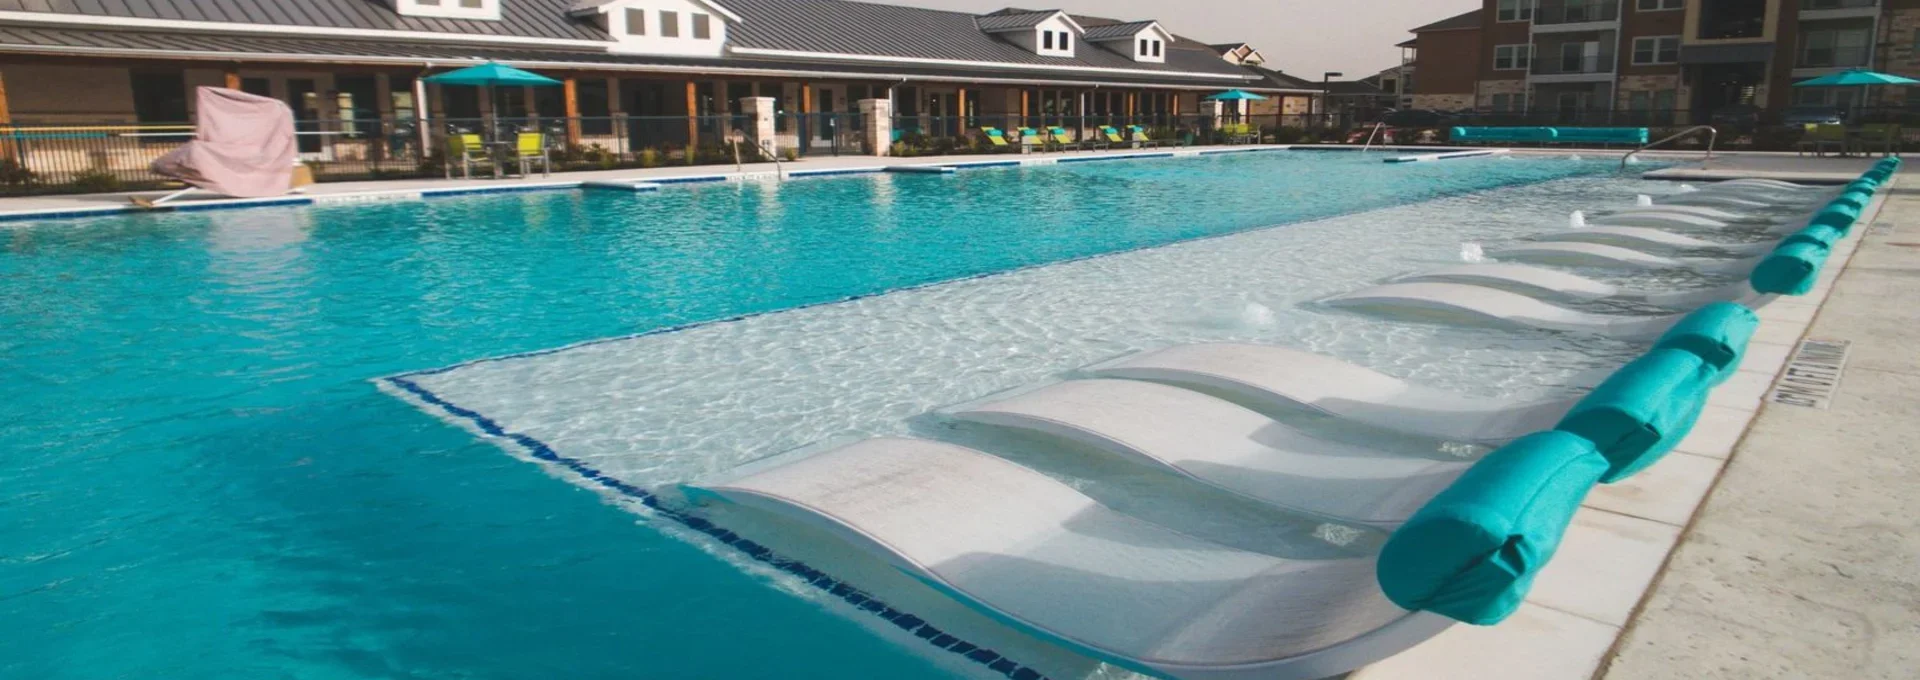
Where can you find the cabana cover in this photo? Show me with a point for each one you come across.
(243, 146)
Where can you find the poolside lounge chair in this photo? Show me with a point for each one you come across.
(995, 138)
(1059, 138)
(1030, 139)
(1108, 137)
(1823, 137)
(530, 148)
(466, 151)
(1139, 137)
(1041, 556)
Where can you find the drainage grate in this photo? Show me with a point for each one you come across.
(1813, 375)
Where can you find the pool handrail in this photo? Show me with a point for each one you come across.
(1713, 136)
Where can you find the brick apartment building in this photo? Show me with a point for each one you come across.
(1665, 61)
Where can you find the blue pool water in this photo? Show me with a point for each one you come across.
(198, 479)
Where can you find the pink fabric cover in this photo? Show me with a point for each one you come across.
(243, 146)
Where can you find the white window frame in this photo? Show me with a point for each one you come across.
(1522, 10)
(1519, 58)
(1659, 5)
(1657, 40)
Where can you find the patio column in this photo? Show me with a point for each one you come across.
(960, 101)
(6, 119)
(423, 124)
(693, 121)
(572, 92)
(232, 77)
(877, 126)
(801, 135)
(760, 110)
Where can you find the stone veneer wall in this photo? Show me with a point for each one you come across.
(1899, 55)
(1443, 102)
(1489, 88)
(1629, 84)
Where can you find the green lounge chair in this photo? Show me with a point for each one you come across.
(467, 151)
(1883, 138)
(530, 148)
(1825, 136)
(1107, 137)
(1057, 137)
(1138, 135)
(995, 138)
(1030, 138)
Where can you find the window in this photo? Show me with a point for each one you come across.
(1144, 47)
(1046, 39)
(636, 22)
(1834, 48)
(1659, 5)
(1156, 48)
(1515, 10)
(1656, 50)
(1512, 57)
(702, 26)
(473, 4)
(427, 3)
(1065, 41)
(669, 24)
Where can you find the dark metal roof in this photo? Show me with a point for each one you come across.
(834, 26)
(1453, 23)
(1353, 88)
(1277, 79)
(518, 18)
(1008, 22)
(1116, 31)
(38, 39)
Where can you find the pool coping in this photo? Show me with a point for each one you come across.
(691, 177)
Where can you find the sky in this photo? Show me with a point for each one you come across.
(1301, 37)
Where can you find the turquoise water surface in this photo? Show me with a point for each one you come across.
(199, 479)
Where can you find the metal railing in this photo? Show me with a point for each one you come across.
(1713, 137)
(1813, 5)
(1834, 57)
(1551, 65)
(1550, 12)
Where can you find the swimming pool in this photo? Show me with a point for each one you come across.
(202, 479)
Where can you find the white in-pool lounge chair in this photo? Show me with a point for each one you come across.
(1615, 257)
(1039, 555)
(1267, 377)
(1646, 238)
(1225, 445)
(1717, 216)
(1671, 219)
(1739, 201)
(1553, 284)
(1470, 304)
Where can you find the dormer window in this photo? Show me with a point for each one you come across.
(1066, 41)
(688, 28)
(449, 9)
(1048, 34)
(1046, 40)
(1146, 38)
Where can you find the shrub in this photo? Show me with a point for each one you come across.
(97, 182)
(898, 150)
(650, 158)
(1289, 135)
(790, 154)
(13, 174)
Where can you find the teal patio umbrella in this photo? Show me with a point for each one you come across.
(490, 75)
(1234, 96)
(1859, 77)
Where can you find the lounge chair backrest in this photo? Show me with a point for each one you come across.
(1472, 552)
(1830, 133)
(531, 143)
(1717, 333)
(1112, 133)
(994, 135)
(1139, 133)
(1643, 410)
(1791, 269)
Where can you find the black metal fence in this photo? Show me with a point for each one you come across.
(115, 156)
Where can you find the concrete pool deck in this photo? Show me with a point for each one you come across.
(1778, 541)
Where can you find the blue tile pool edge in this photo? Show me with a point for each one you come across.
(859, 599)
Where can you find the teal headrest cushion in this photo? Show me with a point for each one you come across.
(1837, 215)
(1643, 410)
(1791, 269)
(1717, 333)
(1819, 234)
(1471, 553)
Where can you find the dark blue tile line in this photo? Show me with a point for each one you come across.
(64, 214)
(832, 173)
(912, 287)
(1127, 157)
(702, 179)
(203, 207)
(985, 164)
(814, 577)
(440, 193)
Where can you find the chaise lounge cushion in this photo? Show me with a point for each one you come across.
(1471, 553)
(1791, 269)
(1717, 333)
(1643, 410)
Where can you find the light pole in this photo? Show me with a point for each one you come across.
(1326, 107)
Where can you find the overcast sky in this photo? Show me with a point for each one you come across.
(1302, 37)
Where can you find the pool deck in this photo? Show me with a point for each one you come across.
(1778, 541)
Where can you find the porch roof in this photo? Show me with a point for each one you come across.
(225, 47)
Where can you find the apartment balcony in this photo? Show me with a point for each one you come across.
(1814, 62)
(1816, 10)
(1573, 69)
(1560, 16)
